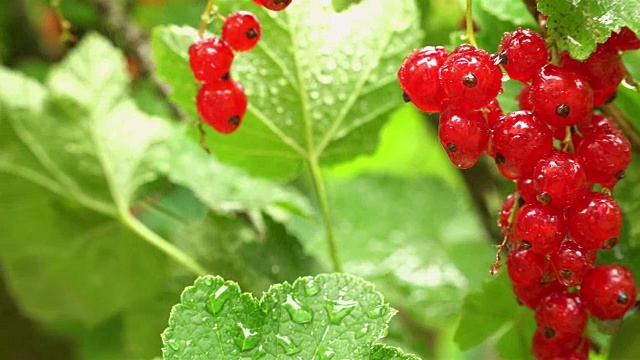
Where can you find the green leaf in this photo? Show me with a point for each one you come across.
(383, 352)
(514, 12)
(76, 155)
(417, 240)
(323, 317)
(319, 85)
(626, 342)
(486, 311)
(186, 164)
(578, 26)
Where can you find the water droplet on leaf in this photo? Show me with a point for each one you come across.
(247, 339)
(218, 299)
(290, 348)
(326, 353)
(312, 288)
(296, 311)
(338, 309)
(173, 344)
(375, 313)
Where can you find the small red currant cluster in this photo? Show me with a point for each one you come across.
(275, 5)
(559, 153)
(221, 101)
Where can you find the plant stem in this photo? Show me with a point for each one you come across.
(469, 18)
(205, 17)
(321, 193)
(161, 244)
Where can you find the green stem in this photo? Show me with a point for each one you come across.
(161, 244)
(469, 18)
(321, 193)
(206, 17)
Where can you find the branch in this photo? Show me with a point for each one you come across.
(135, 39)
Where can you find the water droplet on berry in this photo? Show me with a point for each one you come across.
(297, 311)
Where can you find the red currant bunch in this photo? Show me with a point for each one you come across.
(565, 159)
(221, 101)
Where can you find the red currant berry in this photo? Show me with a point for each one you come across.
(470, 79)
(531, 295)
(603, 70)
(542, 227)
(524, 98)
(595, 221)
(545, 345)
(563, 313)
(625, 40)
(463, 135)
(609, 291)
(525, 267)
(257, 2)
(519, 139)
(210, 59)
(571, 261)
(606, 154)
(241, 30)
(524, 52)
(222, 105)
(560, 179)
(525, 188)
(492, 112)
(418, 77)
(276, 5)
(561, 97)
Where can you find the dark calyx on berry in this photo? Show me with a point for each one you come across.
(405, 97)
(623, 298)
(251, 34)
(563, 110)
(470, 81)
(549, 332)
(234, 120)
(452, 147)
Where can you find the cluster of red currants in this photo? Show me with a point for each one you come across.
(221, 101)
(564, 159)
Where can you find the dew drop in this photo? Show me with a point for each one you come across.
(339, 309)
(173, 344)
(325, 353)
(247, 339)
(375, 313)
(364, 330)
(208, 281)
(296, 311)
(312, 288)
(218, 299)
(290, 348)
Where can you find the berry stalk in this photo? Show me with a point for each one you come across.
(470, 35)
